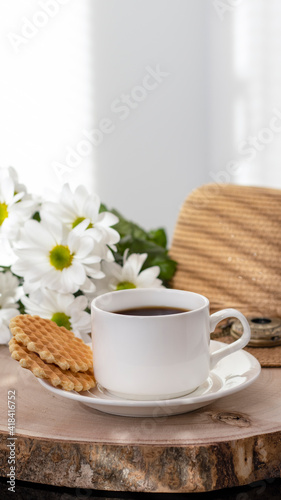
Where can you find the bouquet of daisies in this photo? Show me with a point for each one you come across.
(57, 255)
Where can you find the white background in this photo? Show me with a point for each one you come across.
(221, 93)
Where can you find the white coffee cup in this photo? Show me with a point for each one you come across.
(156, 357)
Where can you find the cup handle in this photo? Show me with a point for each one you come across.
(238, 344)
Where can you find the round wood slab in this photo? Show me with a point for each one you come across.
(232, 442)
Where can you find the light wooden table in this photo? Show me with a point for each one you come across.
(232, 442)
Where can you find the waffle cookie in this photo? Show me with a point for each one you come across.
(65, 379)
(54, 344)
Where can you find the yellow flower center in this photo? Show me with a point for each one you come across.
(3, 212)
(61, 319)
(80, 219)
(124, 285)
(61, 257)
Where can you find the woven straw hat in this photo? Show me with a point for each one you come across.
(227, 242)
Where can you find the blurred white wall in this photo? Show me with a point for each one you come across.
(156, 151)
(257, 76)
(244, 126)
(46, 88)
(59, 81)
(79, 102)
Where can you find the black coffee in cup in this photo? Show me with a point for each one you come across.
(151, 311)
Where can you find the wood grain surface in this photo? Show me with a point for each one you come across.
(232, 442)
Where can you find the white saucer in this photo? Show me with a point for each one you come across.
(232, 374)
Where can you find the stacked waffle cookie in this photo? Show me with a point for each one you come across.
(52, 352)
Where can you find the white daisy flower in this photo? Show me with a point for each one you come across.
(12, 173)
(51, 257)
(73, 208)
(128, 276)
(15, 205)
(8, 256)
(9, 294)
(62, 308)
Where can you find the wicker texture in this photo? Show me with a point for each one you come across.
(269, 357)
(227, 242)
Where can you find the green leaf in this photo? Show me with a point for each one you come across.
(37, 217)
(102, 208)
(167, 266)
(137, 245)
(21, 307)
(158, 236)
(126, 227)
(137, 240)
(157, 255)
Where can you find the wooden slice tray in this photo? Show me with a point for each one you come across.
(232, 442)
